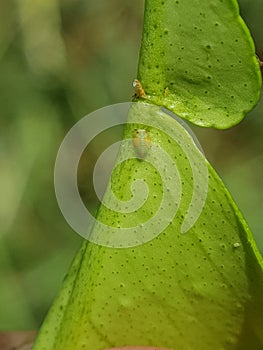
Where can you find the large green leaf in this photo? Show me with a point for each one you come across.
(197, 59)
(198, 290)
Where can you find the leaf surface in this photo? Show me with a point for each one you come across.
(198, 290)
(198, 60)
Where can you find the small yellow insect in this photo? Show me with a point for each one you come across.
(236, 245)
(141, 142)
(139, 89)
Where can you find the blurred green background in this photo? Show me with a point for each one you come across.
(60, 60)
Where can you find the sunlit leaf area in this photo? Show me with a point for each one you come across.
(60, 60)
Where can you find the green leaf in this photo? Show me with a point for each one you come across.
(198, 290)
(198, 60)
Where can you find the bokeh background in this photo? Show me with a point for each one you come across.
(60, 60)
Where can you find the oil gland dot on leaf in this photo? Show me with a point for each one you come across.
(141, 142)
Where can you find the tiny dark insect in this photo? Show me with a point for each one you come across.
(259, 61)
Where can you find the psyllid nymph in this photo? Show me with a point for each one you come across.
(140, 93)
(141, 142)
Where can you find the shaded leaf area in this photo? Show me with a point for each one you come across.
(198, 290)
(24, 341)
(199, 61)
